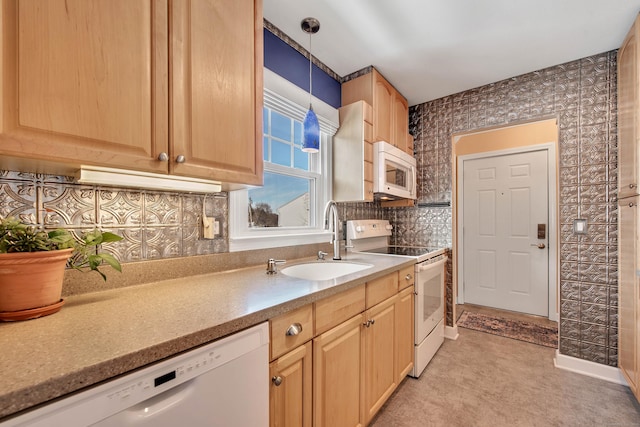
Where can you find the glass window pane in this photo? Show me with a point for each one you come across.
(265, 149)
(300, 159)
(297, 133)
(280, 153)
(280, 126)
(265, 120)
(283, 201)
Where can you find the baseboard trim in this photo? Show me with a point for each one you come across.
(591, 369)
(451, 332)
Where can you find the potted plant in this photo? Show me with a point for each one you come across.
(32, 265)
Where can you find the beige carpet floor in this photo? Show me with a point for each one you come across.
(487, 380)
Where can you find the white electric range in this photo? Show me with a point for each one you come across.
(372, 236)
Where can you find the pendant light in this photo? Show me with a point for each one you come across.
(311, 127)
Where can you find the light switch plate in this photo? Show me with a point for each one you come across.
(579, 226)
(209, 227)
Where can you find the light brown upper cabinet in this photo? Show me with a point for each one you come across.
(216, 89)
(87, 82)
(390, 108)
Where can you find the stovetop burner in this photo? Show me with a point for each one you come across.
(372, 236)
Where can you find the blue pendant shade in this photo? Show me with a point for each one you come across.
(311, 132)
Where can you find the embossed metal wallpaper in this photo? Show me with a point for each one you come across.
(153, 224)
(582, 94)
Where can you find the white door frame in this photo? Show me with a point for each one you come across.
(550, 148)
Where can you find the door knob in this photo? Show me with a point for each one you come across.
(539, 245)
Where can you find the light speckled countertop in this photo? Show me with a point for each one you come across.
(100, 335)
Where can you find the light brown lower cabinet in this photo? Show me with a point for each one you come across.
(404, 333)
(347, 372)
(290, 397)
(337, 375)
(379, 351)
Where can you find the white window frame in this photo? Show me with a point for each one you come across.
(284, 97)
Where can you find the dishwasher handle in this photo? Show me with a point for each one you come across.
(160, 402)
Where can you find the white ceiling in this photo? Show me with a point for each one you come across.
(432, 48)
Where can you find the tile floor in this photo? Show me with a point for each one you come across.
(486, 380)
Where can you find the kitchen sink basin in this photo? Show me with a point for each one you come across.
(323, 270)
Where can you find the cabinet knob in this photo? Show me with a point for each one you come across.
(367, 323)
(180, 159)
(163, 157)
(373, 321)
(407, 277)
(294, 329)
(277, 380)
(632, 186)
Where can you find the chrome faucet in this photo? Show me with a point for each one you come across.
(331, 216)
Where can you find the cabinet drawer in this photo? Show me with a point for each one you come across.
(336, 309)
(368, 171)
(368, 133)
(406, 277)
(368, 190)
(368, 152)
(380, 289)
(302, 318)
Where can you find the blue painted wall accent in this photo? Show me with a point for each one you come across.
(287, 62)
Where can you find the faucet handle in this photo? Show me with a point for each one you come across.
(321, 255)
(272, 263)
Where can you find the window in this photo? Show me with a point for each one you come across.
(288, 197)
(286, 210)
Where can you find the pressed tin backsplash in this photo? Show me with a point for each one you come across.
(153, 224)
(582, 95)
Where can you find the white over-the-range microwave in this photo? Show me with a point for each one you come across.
(394, 173)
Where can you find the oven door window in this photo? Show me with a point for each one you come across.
(429, 301)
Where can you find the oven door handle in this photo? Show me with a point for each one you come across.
(428, 266)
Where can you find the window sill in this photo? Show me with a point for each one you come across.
(277, 240)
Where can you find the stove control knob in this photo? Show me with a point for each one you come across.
(360, 228)
(389, 227)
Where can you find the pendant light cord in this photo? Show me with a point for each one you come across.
(310, 72)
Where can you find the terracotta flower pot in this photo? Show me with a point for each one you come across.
(30, 280)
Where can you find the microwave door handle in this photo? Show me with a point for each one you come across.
(412, 190)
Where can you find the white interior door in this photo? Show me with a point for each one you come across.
(505, 260)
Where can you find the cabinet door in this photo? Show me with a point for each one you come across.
(400, 123)
(379, 339)
(404, 334)
(337, 376)
(290, 402)
(216, 98)
(628, 107)
(382, 109)
(85, 82)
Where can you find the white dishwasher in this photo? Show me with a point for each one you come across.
(224, 383)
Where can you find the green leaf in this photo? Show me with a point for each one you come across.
(110, 237)
(94, 261)
(111, 260)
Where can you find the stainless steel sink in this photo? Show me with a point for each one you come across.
(323, 270)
